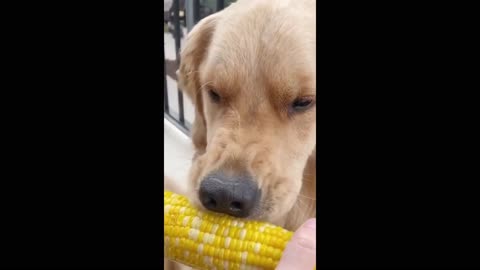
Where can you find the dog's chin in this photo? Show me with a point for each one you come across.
(265, 211)
(262, 214)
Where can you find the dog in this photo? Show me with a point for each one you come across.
(250, 71)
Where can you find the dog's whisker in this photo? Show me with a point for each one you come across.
(307, 197)
(193, 72)
(301, 195)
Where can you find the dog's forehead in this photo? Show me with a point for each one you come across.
(253, 69)
(260, 52)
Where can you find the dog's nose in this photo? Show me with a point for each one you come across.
(236, 196)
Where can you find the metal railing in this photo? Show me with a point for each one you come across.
(188, 12)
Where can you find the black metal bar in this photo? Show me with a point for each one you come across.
(177, 29)
(220, 4)
(180, 108)
(177, 36)
(182, 127)
(165, 89)
(196, 11)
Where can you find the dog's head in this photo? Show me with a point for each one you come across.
(251, 75)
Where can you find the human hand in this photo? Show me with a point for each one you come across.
(300, 253)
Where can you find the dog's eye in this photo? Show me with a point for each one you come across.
(214, 96)
(302, 103)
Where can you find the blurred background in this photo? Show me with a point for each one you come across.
(179, 18)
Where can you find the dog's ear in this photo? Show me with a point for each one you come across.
(191, 57)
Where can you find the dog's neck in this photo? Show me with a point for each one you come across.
(305, 206)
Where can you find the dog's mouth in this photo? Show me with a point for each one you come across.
(234, 209)
(259, 212)
(232, 193)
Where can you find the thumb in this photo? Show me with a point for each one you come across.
(300, 252)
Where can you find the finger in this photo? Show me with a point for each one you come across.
(300, 252)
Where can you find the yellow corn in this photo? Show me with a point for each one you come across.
(208, 241)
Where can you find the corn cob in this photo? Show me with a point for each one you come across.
(208, 241)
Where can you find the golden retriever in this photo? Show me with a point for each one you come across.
(250, 72)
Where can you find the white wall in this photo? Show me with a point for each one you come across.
(178, 153)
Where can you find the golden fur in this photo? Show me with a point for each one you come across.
(258, 56)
